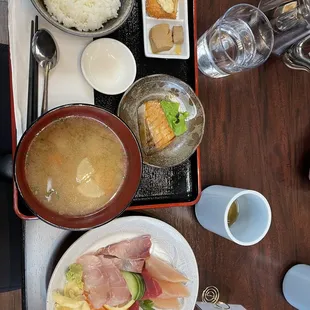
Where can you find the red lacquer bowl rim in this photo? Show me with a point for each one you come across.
(117, 204)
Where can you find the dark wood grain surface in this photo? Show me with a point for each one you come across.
(257, 136)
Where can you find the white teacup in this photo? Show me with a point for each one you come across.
(254, 214)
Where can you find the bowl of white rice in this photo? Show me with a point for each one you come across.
(87, 18)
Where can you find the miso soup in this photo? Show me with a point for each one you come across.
(75, 165)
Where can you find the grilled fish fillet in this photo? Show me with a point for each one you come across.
(155, 132)
(155, 9)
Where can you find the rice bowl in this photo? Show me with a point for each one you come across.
(84, 15)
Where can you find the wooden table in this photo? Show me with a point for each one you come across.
(257, 136)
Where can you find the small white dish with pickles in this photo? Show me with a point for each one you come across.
(165, 29)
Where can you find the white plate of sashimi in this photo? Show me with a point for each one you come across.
(130, 263)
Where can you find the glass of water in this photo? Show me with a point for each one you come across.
(241, 39)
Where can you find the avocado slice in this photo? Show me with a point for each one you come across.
(141, 285)
(135, 284)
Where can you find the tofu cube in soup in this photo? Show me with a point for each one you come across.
(177, 34)
(161, 38)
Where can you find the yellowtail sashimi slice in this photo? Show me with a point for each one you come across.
(84, 170)
(172, 290)
(172, 303)
(90, 189)
(160, 270)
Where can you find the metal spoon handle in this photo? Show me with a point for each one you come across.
(45, 91)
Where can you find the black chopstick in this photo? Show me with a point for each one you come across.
(35, 80)
(32, 107)
(30, 80)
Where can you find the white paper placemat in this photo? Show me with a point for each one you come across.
(66, 83)
(43, 246)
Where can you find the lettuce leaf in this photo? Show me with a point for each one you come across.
(75, 274)
(146, 304)
(64, 302)
(72, 297)
(176, 119)
(73, 291)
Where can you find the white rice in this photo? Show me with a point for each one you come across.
(83, 15)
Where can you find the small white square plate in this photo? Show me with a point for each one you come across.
(181, 20)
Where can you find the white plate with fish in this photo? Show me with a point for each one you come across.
(126, 264)
(165, 29)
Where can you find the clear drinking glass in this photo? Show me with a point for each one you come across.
(241, 39)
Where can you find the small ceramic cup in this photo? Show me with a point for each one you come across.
(295, 286)
(252, 222)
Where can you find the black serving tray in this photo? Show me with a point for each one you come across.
(159, 187)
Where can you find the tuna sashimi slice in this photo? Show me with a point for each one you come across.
(95, 279)
(152, 288)
(171, 303)
(172, 290)
(161, 270)
(131, 265)
(135, 248)
(104, 283)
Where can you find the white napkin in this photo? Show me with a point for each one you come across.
(66, 83)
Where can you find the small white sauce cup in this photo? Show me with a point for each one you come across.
(108, 66)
